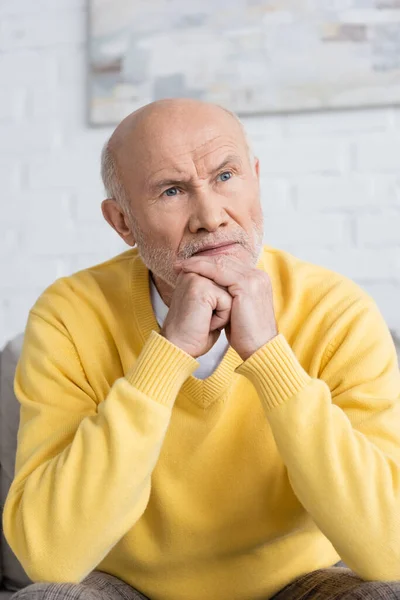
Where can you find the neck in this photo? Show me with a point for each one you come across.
(164, 289)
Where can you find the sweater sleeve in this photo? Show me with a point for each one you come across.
(83, 468)
(339, 436)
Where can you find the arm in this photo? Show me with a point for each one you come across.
(339, 436)
(83, 468)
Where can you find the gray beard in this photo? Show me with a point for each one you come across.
(159, 260)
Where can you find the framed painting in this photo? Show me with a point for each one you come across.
(252, 56)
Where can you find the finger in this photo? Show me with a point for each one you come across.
(223, 272)
(222, 311)
(224, 259)
(220, 320)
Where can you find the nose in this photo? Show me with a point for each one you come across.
(207, 211)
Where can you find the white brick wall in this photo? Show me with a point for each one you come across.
(330, 181)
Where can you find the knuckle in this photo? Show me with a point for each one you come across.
(198, 288)
(183, 278)
(191, 281)
(204, 299)
(193, 293)
(189, 276)
(219, 263)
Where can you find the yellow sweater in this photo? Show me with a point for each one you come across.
(226, 488)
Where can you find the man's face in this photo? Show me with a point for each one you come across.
(192, 185)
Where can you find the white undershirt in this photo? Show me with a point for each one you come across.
(208, 362)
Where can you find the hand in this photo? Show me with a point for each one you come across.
(199, 310)
(252, 319)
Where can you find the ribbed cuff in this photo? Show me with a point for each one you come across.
(161, 369)
(275, 372)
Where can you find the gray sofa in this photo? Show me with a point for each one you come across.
(12, 575)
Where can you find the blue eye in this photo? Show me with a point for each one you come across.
(225, 176)
(171, 192)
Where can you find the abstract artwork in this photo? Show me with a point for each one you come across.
(252, 56)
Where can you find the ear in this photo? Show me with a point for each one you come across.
(257, 167)
(115, 216)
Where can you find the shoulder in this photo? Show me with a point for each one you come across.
(311, 279)
(87, 289)
(320, 301)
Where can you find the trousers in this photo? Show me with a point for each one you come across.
(333, 583)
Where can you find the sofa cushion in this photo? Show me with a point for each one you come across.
(1, 522)
(5, 595)
(14, 577)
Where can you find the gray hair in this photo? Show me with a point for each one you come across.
(111, 178)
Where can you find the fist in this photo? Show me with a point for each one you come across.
(199, 310)
(252, 320)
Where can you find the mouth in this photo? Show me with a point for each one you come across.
(216, 249)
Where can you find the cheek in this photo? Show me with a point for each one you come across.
(166, 229)
(254, 201)
(246, 188)
(256, 211)
(244, 200)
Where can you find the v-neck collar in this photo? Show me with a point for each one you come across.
(202, 392)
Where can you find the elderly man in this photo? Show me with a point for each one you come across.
(203, 417)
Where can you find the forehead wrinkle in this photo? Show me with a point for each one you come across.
(212, 159)
(214, 142)
(190, 157)
(200, 151)
(170, 174)
(172, 179)
(175, 175)
(168, 171)
(184, 165)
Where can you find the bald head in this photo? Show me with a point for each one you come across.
(179, 175)
(146, 126)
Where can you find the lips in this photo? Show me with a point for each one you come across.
(215, 247)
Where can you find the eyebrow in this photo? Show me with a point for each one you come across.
(172, 181)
